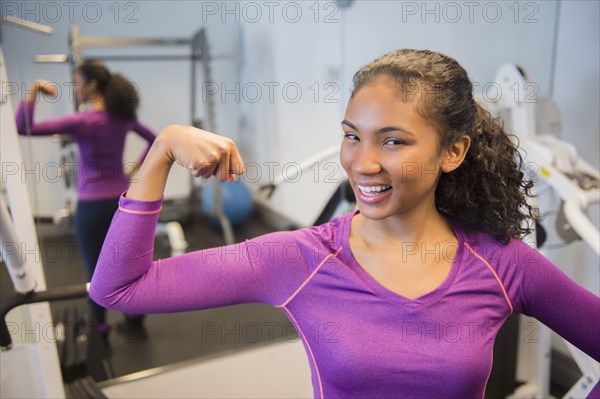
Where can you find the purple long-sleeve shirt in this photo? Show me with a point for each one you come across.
(101, 141)
(362, 340)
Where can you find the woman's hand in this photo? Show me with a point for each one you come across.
(41, 86)
(203, 153)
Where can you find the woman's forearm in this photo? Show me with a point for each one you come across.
(150, 181)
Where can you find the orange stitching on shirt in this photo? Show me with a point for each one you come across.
(140, 212)
(495, 275)
(307, 345)
(283, 306)
(309, 277)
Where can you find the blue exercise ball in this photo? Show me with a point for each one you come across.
(236, 199)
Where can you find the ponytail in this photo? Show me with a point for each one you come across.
(488, 192)
(121, 97)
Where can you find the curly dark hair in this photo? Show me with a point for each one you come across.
(120, 95)
(488, 191)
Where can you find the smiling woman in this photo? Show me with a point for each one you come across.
(410, 290)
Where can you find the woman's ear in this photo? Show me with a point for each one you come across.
(93, 84)
(455, 154)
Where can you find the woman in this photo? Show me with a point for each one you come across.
(100, 135)
(408, 292)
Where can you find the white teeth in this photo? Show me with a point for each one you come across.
(372, 189)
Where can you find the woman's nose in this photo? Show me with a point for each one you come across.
(366, 162)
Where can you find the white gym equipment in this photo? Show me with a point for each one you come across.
(555, 163)
(30, 368)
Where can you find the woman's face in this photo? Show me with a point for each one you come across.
(389, 152)
(84, 90)
(80, 87)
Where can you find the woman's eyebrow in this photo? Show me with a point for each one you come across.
(386, 129)
(350, 125)
(393, 129)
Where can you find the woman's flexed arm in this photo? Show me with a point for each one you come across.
(126, 278)
(25, 120)
(203, 153)
(260, 270)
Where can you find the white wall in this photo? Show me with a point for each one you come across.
(298, 51)
(479, 35)
(576, 79)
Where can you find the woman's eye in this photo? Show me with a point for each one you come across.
(351, 136)
(394, 142)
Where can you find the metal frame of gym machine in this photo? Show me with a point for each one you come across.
(29, 369)
(199, 51)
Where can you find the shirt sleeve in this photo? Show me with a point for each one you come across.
(262, 270)
(146, 134)
(550, 296)
(26, 126)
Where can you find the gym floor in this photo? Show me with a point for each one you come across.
(172, 338)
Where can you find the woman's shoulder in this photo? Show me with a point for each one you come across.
(510, 254)
(327, 237)
(336, 230)
(102, 119)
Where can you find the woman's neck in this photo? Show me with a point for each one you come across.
(420, 227)
(98, 104)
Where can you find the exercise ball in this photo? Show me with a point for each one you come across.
(235, 197)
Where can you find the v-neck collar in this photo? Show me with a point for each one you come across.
(388, 294)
